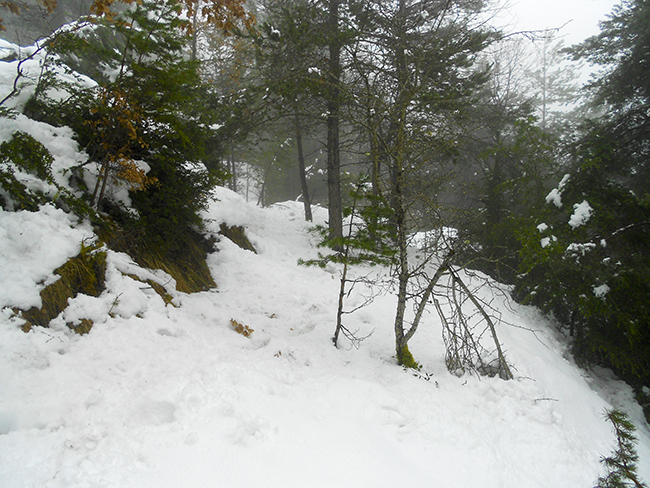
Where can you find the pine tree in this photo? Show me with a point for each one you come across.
(304, 54)
(367, 240)
(416, 72)
(622, 465)
(585, 258)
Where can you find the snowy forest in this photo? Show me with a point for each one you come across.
(322, 243)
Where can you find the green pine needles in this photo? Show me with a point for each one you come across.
(621, 466)
(369, 240)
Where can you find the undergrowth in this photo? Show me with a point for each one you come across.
(186, 265)
(237, 234)
(157, 287)
(27, 183)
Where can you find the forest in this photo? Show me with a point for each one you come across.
(403, 118)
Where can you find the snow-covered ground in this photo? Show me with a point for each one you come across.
(167, 396)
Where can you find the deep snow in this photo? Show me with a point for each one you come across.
(162, 396)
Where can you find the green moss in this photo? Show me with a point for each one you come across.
(405, 358)
(84, 273)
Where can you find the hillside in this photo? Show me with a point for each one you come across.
(164, 395)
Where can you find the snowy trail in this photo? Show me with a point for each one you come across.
(162, 396)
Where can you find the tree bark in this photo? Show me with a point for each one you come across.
(233, 170)
(396, 172)
(301, 170)
(335, 206)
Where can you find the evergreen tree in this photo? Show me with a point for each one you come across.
(622, 465)
(505, 161)
(305, 57)
(367, 241)
(416, 72)
(148, 122)
(290, 62)
(146, 107)
(586, 258)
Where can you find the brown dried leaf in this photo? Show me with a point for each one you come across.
(242, 329)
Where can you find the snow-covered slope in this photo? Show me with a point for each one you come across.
(162, 396)
(167, 396)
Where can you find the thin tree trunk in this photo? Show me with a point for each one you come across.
(261, 200)
(301, 170)
(397, 161)
(335, 206)
(195, 29)
(403, 355)
(98, 184)
(233, 169)
(103, 190)
(339, 313)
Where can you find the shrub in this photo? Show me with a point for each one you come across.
(25, 153)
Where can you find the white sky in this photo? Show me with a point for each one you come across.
(579, 17)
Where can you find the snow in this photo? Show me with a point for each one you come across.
(167, 396)
(163, 396)
(579, 249)
(555, 195)
(32, 246)
(547, 240)
(581, 214)
(601, 291)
